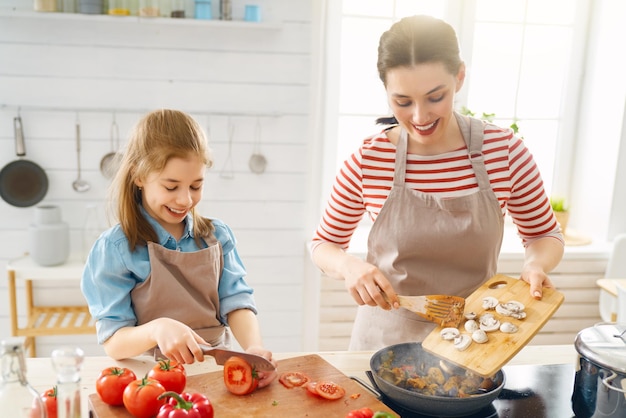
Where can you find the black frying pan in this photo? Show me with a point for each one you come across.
(407, 354)
(22, 183)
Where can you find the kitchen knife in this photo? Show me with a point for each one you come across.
(221, 354)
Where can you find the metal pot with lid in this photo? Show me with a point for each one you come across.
(600, 380)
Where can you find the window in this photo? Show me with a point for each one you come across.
(525, 62)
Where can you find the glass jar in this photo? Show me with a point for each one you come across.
(67, 362)
(45, 5)
(119, 8)
(149, 8)
(18, 399)
(178, 9)
(203, 9)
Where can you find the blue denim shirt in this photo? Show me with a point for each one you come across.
(112, 271)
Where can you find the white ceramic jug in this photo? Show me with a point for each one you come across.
(49, 237)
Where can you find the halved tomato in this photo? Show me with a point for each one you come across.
(293, 379)
(329, 390)
(240, 377)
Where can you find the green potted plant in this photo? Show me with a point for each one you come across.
(561, 211)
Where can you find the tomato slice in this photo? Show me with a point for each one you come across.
(293, 379)
(310, 388)
(240, 377)
(329, 390)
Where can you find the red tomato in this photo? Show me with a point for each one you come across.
(141, 397)
(361, 413)
(111, 383)
(293, 379)
(329, 390)
(171, 374)
(49, 399)
(239, 376)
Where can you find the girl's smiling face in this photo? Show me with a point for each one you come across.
(422, 98)
(168, 196)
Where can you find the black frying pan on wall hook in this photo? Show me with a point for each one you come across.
(22, 182)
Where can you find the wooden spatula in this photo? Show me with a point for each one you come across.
(444, 310)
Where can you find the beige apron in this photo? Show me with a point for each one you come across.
(183, 286)
(428, 245)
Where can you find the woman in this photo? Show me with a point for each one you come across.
(437, 186)
(165, 276)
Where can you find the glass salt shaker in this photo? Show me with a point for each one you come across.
(67, 362)
(18, 399)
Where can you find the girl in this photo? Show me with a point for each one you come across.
(437, 186)
(165, 276)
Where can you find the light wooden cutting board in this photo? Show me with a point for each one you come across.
(272, 401)
(486, 359)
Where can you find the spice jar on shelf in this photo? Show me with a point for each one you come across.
(119, 8)
(149, 8)
(203, 9)
(45, 5)
(177, 9)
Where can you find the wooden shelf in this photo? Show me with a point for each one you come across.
(45, 320)
(216, 23)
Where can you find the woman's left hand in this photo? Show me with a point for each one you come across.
(537, 279)
(265, 378)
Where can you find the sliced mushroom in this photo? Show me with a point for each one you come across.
(471, 325)
(480, 336)
(489, 302)
(470, 315)
(449, 333)
(462, 342)
(508, 328)
(489, 323)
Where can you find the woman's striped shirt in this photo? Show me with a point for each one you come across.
(366, 177)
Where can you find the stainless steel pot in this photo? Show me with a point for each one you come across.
(600, 380)
(441, 406)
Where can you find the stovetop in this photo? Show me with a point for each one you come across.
(529, 392)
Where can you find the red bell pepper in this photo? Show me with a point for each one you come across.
(189, 405)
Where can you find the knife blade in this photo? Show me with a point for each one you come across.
(221, 354)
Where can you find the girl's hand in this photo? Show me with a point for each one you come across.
(265, 378)
(368, 285)
(177, 341)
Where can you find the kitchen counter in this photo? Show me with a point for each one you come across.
(41, 374)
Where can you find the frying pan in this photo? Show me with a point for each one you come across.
(22, 182)
(440, 406)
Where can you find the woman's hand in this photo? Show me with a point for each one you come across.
(537, 279)
(177, 341)
(265, 378)
(368, 285)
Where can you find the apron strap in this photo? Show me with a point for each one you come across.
(399, 171)
(473, 134)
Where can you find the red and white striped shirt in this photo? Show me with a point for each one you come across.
(366, 178)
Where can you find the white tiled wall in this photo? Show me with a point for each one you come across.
(56, 69)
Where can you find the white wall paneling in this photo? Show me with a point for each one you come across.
(60, 68)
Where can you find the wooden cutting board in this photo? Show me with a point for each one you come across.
(486, 359)
(272, 401)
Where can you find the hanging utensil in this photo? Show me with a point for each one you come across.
(23, 183)
(110, 163)
(228, 170)
(257, 162)
(79, 184)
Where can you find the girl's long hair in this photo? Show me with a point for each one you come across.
(157, 137)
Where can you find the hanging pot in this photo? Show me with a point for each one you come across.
(600, 380)
(22, 182)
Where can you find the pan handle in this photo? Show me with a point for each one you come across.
(20, 147)
(367, 386)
